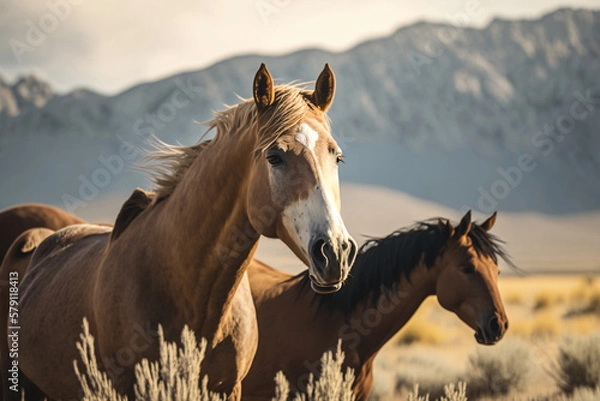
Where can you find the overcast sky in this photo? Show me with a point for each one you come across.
(109, 45)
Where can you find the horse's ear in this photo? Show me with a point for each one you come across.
(31, 238)
(264, 89)
(464, 226)
(446, 227)
(136, 204)
(489, 223)
(324, 89)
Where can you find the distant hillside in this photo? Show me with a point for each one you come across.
(505, 117)
(537, 243)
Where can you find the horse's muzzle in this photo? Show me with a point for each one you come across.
(330, 263)
(492, 331)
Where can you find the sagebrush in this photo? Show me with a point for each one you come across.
(578, 363)
(332, 385)
(452, 392)
(174, 377)
(500, 369)
(428, 369)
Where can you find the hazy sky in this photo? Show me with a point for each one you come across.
(109, 45)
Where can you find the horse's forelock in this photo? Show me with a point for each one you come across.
(287, 112)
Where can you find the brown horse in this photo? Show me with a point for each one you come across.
(180, 258)
(15, 220)
(392, 276)
(20, 222)
(12, 270)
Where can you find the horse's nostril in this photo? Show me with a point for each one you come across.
(494, 325)
(345, 246)
(352, 253)
(506, 326)
(317, 253)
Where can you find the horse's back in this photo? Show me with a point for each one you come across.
(261, 273)
(66, 257)
(15, 220)
(70, 237)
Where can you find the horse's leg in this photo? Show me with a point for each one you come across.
(26, 388)
(32, 392)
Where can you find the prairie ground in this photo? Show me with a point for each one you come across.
(434, 348)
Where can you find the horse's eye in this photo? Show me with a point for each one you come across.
(339, 159)
(468, 269)
(274, 160)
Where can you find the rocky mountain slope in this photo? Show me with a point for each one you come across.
(506, 117)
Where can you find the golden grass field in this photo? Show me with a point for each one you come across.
(543, 310)
(433, 358)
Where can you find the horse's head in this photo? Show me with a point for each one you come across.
(467, 283)
(296, 178)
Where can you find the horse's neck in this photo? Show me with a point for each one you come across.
(378, 321)
(204, 234)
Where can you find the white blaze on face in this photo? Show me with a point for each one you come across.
(307, 136)
(317, 214)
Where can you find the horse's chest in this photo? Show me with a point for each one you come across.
(235, 343)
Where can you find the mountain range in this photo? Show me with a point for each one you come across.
(506, 117)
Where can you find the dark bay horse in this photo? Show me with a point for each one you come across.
(392, 276)
(15, 220)
(179, 256)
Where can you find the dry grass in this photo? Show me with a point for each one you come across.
(419, 330)
(452, 392)
(427, 369)
(582, 324)
(545, 325)
(500, 369)
(547, 298)
(332, 384)
(585, 297)
(578, 363)
(96, 385)
(540, 309)
(175, 377)
(513, 297)
(586, 394)
(541, 329)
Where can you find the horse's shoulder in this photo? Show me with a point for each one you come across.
(136, 204)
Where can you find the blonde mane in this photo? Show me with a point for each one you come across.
(171, 162)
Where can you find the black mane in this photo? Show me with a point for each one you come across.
(383, 262)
